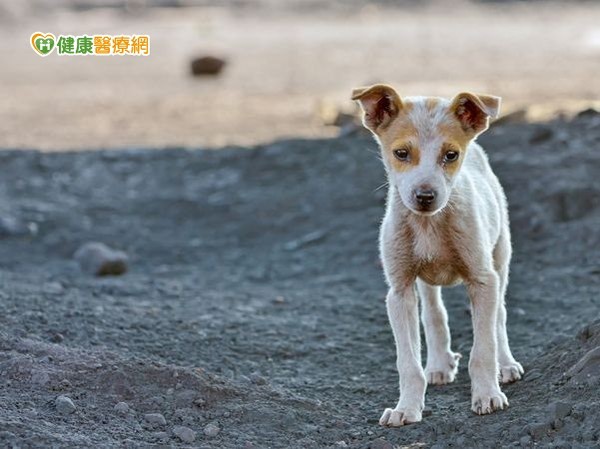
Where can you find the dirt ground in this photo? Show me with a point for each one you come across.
(285, 63)
(253, 313)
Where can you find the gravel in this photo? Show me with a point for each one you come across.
(192, 332)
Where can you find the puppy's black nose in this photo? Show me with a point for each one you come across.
(425, 196)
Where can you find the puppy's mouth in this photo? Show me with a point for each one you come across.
(425, 212)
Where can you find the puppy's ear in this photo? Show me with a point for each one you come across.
(380, 104)
(474, 111)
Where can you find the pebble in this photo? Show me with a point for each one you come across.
(57, 337)
(156, 419)
(257, 379)
(121, 408)
(559, 410)
(11, 227)
(185, 434)
(199, 402)
(211, 430)
(100, 260)
(207, 65)
(53, 288)
(64, 405)
(537, 430)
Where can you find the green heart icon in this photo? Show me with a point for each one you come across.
(42, 43)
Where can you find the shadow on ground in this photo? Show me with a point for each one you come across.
(253, 312)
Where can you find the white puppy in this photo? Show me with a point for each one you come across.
(446, 222)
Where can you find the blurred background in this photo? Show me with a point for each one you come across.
(280, 68)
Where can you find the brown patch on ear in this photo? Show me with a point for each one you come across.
(473, 111)
(380, 104)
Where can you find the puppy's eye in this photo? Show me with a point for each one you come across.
(451, 156)
(402, 154)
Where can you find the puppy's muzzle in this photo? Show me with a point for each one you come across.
(425, 197)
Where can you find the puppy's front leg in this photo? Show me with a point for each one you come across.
(403, 314)
(483, 366)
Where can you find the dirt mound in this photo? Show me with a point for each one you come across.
(252, 314)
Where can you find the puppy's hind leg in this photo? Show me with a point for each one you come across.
(442, 363)
(510, 369)
(403, 314)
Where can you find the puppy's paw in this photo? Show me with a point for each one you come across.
(511, 372)
(488, 401)
(441, 370)
(399, 416)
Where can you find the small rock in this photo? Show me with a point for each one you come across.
(559, 410)
(537, 430)
(211, 430)
(257, 379)
(100, 260)
(53, 288)
(121, 408)
(12, 227)
(427, 411)
(57, 337)
(185, 434)
(155, 419)
(380, 443)
(207, 65)
(341, 443)
(64, 405)
(589, 112)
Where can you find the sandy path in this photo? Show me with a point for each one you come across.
(281, 67)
